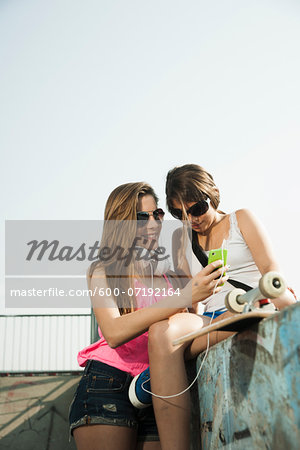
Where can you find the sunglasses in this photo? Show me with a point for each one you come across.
(143, 216)
(198, 209)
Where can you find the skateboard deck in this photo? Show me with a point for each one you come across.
(237, 322)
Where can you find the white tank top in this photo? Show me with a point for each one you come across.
(242, 267)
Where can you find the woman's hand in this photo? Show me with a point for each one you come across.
(286, 299)
(208, 281)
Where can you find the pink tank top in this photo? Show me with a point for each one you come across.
(131, 357)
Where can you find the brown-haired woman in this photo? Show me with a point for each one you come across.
(193, 197)
(126, 301)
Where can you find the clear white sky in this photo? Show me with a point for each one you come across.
(94, 94)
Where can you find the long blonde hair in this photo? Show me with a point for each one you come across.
(119, 231)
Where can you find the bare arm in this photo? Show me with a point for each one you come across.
(118, 329)
(261, 250)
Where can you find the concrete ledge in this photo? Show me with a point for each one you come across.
(249, 387)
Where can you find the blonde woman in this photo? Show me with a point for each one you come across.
(129, 298)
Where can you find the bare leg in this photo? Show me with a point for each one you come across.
(168, 375)
(104, 437)
(200, 344)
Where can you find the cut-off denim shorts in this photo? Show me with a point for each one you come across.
(102, 398)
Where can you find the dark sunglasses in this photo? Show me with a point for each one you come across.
(143, 216)
(198, 209)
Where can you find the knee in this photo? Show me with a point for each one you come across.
(162, 334)
(159, 337)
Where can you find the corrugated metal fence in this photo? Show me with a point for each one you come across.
(43, 342)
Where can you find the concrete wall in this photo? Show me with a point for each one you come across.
(249, 387)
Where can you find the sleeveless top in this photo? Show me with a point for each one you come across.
(242, 267)
(130, 357)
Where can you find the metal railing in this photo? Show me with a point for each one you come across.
(44, 342)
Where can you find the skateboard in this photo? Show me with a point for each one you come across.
(271, 285)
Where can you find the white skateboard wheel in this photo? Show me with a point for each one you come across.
(231, 302)
(272, 285)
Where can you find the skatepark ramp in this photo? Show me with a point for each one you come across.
(249, 388)
(34, 411)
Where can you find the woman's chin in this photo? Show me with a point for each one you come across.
(197, 227)
(150, 244)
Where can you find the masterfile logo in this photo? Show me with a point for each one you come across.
(46, 262)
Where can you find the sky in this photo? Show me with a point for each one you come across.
(99, 93)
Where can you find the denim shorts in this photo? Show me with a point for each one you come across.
(102, 398)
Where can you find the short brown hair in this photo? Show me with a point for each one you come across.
(191, 183)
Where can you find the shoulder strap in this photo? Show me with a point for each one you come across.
(239, 284)
(203, 259)
(198, 250)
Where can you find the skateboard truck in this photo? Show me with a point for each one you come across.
(271, 285)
